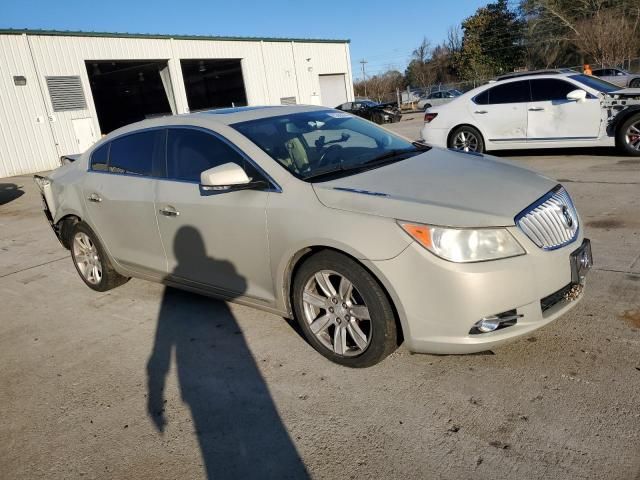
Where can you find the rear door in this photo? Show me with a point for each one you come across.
(216, 240)
(119, 197)
(501, 112)
(551, 117)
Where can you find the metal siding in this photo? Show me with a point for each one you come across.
(25, 145)
(271, 70)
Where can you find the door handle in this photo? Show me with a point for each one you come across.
(94, 197)
(481, 111)
(169, 211)
(536, 109)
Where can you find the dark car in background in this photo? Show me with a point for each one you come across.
(376, 112)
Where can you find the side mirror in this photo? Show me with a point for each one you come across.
(229, 176)
(577, 95)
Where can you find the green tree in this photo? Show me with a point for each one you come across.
(492, 42)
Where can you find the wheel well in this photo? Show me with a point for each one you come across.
(298, 259)
(465, 125)
(63, 229)
(622, 117)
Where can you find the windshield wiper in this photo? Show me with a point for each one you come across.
(386, 158)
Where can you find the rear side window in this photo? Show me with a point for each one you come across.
(513, 92)
(134, 154)
(482, 98)
(191, 152)
(547, 89)
(100, 158)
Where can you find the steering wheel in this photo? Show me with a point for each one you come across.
(330, 156)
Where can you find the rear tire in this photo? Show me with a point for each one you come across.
(466, 138)
(635, 83)
(91, 261)
(351, 323)
(628, 136)
(428, 105)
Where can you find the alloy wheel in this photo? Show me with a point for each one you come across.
(632, 136)
(465, 141)
(336, 313)
(87, 258)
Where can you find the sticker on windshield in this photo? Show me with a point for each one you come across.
(339, 114)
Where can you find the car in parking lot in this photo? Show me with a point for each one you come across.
(538, 110)
(437, 98)
(618, 76)
(376, 112)
(364, 237)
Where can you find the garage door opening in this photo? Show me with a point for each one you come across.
(213, 83)
(128, 91)
(333, 90)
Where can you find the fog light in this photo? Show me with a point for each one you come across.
(495, 322)
(488, 324)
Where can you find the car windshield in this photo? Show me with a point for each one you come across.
(368, 103)
(327, 143)
(595, 83)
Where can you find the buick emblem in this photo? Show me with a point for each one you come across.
(568, 220)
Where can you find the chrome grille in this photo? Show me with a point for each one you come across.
(551, 222)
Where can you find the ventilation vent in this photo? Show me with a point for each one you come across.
(66, 93)
(288, 101)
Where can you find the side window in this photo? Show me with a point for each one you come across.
(346, 106)
(598, 73)
(546, 89)
(134, 154)
(100, 158)
(513, 92)
(482, 98)
(191, 152)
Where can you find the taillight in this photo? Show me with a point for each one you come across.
(429, 116)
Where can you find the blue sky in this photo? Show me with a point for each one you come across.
(380, 31)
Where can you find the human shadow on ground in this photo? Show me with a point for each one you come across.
(239, 430)
(9, 192)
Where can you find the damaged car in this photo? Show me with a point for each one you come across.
(375, 112)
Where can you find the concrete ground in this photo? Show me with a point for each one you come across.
(143, 382)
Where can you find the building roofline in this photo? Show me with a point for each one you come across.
(77, 33)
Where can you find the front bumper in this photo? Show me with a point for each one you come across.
(439, 302)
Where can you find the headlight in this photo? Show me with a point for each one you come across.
(465, 244)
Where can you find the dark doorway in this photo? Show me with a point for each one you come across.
(128, 91)
(213, 83)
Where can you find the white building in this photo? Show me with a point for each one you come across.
(60, 91)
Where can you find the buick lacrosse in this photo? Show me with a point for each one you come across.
(362, 236)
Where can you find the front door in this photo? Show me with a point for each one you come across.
(501, 112)
(552, 117)
(119, 194)
(217, 241)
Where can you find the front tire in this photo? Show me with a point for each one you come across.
(635, 83)
(343, 311)
(628, 136)
(91, 261)
(467, 139)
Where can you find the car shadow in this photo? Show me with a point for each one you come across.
(239, 430)
(9, 192)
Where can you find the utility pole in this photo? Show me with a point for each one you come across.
(364, 76)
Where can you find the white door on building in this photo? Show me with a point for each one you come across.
(333, 90)
(84, 132)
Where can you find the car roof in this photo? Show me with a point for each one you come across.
(225, 116)
(534, 73)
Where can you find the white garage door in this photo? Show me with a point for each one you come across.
(333, 90)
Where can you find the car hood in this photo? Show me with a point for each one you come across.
(439, 187)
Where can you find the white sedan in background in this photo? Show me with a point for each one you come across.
(538, 110)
